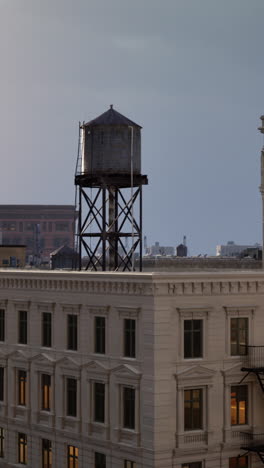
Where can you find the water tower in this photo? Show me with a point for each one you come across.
(109, 193)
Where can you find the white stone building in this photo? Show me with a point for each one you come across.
(231, 249)
(136, 370)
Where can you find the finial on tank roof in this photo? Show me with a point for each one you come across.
(111, 106)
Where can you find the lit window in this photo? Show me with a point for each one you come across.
(46, 329)
(193, 338)
(193, 415)
(99, 335)
(238, 462)
(22, 449)
(129, 395)
(99, 460)
(130, 338)
(46, 453)
(46, 391)
(72, 397)
(22, 387)
(2, 325)
(73, 453)
(129, 464)
(72, 332)
(2, 442)
(239, 399)
(22, 326)
(99, 402)
(239, 336)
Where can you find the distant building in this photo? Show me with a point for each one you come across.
(12, 256)
(63, 257)
(42, 228)
(157, 249)
(232, 249)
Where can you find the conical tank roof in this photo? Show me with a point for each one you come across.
(111, 117)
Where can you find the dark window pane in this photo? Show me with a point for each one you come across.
(99, 402)
(99, 460)
(2, 325)
(130, 338)
(192, 465)
(46, 329)
(193, 339)
(100, 335)
(2, 442)
(129, 407)
(22, 326)
(71, 397)
(72, 332)
(2, 383)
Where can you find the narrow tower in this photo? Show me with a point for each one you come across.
(261, 129)
(109, 185)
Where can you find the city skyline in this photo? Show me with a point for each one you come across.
(189, 73)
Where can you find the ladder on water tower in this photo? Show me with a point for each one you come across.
(78, 171)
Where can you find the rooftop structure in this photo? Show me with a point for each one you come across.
(42, 228)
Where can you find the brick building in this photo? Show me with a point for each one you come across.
(18, 224)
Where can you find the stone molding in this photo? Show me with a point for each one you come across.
(195, 284)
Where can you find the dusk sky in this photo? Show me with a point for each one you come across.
(191, 72)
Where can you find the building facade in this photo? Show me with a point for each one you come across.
(42, 228)
(137, 370)
(233, 250)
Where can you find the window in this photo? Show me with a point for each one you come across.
(239, 404)
(22, 448)
(2, 384)
(99, 346)
(46, 329)
(129, 464)
(2, 442)
(72, 332)
(192, 465)
(129, 407)
(99, 402)
(193, 339)
(62, 227)
(46, 392)
(72, 397)
(22, 387)
(239, 336)
(2, 325)
(238, 462)
(20, 226)
(50, 226)
(73, 453)
(46, 453)
(129, 338)
(22, 326)
(193, 415)
(99, 460)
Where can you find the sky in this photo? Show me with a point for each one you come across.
(189, 71)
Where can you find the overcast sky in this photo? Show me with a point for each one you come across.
(189, 71)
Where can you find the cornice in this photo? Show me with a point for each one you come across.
(202, 283)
